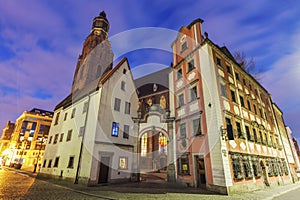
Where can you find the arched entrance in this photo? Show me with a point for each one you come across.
(154, 154)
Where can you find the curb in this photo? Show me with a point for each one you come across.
(283, 192)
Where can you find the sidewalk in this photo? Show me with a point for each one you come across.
(161, 190)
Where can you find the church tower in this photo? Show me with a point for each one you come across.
(96, 57)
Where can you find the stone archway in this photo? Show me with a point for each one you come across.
(154, 150)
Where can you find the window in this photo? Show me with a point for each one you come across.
(197, 126)
(181, 100)
(236, 167)
(81, 131)
(261, 137)
(126, 131)
(144, 145)
(73, 113)
(85, 107)
(123, 85)
(237, 76)
(123, 163)
(255, 135)
(183, 165)
(247, 168)
(239, 130)
(219, 62)
(66, 115)
(255, 111)
(193, 93)
(61, 137)
(244, 82)
(250, 86)
(117, 104)
(191, 65)
(55, 139)
(69, 136)
(57, 118)
(127, 108)
(228, 68)
(249, 105)
(44, 129)
(242, 101)
(44, 163)
(223, 90)
(266, 117)
(260, 112)
(56, 162)
(71, 162)
(179, 74)
(49, 163)
(233, 96)
(183, 46)
(248, 133)
(229, 129)
(182, 131)
(256, 167)
(115, 129)
(50, 140)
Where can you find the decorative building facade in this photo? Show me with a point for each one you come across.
(28, 140)
(156, 127)
(227, 136)
(91, 138)
(5, 140)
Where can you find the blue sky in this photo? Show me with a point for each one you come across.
(40, 42)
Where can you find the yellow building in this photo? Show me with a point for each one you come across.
(28, 139)
(5, 140)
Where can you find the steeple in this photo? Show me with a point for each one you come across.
(96, 57)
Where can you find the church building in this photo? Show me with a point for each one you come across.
(91, 138)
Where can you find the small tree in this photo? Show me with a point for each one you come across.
(247, 64)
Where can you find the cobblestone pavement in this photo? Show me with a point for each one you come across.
(17, 184)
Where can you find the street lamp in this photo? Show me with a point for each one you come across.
(137, 120)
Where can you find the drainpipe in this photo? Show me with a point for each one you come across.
(82, 141)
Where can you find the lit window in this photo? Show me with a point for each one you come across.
(144, 145)
(123, 163)
(162, 141)
(183, 165)
(115, 129)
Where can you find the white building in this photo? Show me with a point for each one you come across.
(91, 137)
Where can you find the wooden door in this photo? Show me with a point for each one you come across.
(104, 170)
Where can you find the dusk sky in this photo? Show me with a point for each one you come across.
(40, 42)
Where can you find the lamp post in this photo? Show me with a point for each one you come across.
(137, 120)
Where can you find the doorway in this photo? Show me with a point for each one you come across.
(200, 168)
(104, 169)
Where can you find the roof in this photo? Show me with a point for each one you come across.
(160, 77)
(91, 87)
